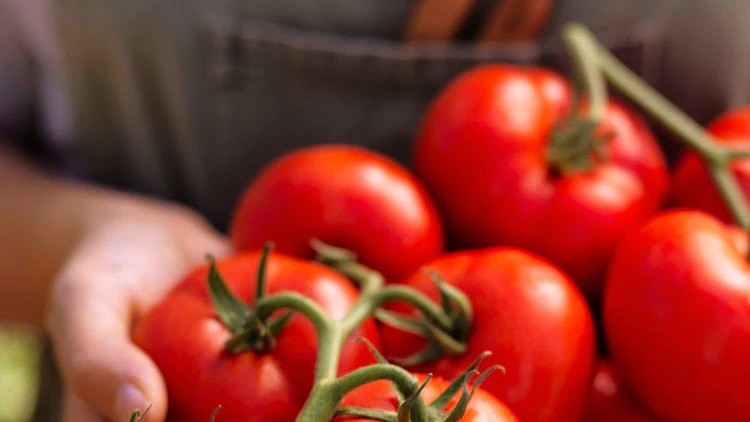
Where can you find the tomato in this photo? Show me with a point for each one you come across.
(345, 196)
(692, 186)
(530, 316)
(186, 340)
(610, 400)
(483, 407)
(482, 152)
(677, 317)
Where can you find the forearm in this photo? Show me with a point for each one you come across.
(41, 218)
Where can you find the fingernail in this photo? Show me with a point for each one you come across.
(129, 399)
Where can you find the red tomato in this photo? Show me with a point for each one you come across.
(610, 401)
(345, 196)
(482, 154)
(677, 317)
(692, 186)
(530, 316)
(186, 340)
(483, 407)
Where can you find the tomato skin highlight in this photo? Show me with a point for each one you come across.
(692, 186)
(611, 401)
(346, 196)
(481, 153)
(483, 406)
(531, 317)
(677, 317)
(185, 338)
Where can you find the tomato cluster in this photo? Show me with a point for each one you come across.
(534, 242)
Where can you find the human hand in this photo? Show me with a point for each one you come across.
(130, 254)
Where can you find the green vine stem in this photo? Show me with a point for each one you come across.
(368, 304)
(590, 80)
(446, 320)
(576, 143)
(333, 333)
(716, 157)
(326, 396)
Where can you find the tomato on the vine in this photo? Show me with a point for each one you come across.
(677, 317)
(185, 338)
(692, 186)
(503, 173)
(483, 407)
(346, 196)
(529, 315)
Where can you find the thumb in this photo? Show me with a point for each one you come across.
(114, 376)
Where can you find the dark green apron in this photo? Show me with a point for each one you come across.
(187, 99)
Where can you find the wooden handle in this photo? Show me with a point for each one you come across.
(436, 20)
(515, 20)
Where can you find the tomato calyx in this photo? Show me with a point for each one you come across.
(250, 331)
(411, 407)
(445, 328)
(446, 340)
(575, 145)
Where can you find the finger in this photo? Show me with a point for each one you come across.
(91, 310)
(115, 276)
(116, 377)
(101, 366)
(76, 410)
(201, 244)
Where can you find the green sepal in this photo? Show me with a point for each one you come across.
(249, 331)
(455, 304)
(331, 255)
(466, 394)
(381, 359)
(260, 290)
(444, 398)
(258, 335)
(137, 416)
(405, 408)
(576, 146)
(214, 413)
(410, 324)
(439, 342)
(345, 262)
(231, 311)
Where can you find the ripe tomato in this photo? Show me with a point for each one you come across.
(482, 153)
(530, 316)
(483, 407)
(345, 196)
(692, 186)
(609, 400)
(677, 317)
(186, 340)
